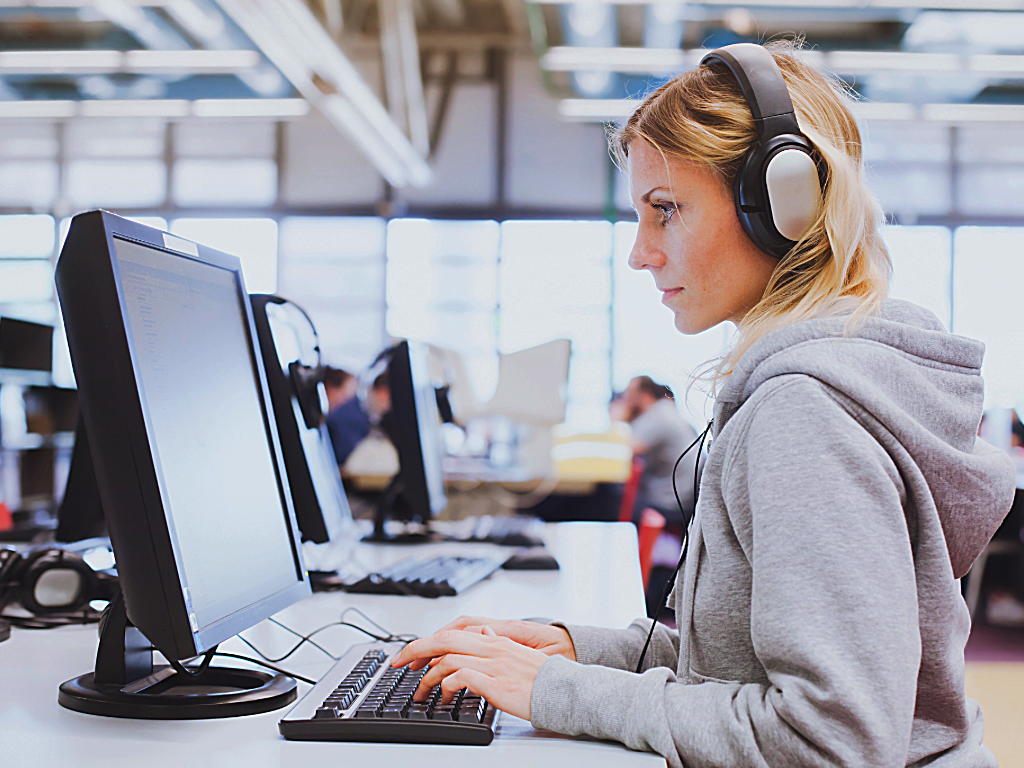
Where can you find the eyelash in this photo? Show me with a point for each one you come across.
(666, 212)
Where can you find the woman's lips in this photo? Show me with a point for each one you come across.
(670, 293)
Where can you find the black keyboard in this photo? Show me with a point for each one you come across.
(509, 531)
(432, 577)
(363, 698)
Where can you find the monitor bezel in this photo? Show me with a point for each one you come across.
(117, 411)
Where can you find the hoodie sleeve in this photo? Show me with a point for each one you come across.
(621, 648)
(834, 617)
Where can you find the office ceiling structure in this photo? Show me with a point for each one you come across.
(947, 62)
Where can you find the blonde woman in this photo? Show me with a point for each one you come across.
(845, 493)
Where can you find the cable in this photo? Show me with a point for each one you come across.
(265, 664)
(181, 669)
(387, 637)
(686, 534)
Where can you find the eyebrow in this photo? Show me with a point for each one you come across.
(647, 197)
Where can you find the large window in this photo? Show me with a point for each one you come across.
(253, 241)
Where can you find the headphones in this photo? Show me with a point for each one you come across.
(307, 380)
(54, 585)
(778, 189)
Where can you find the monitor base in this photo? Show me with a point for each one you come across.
(126, 684)
(165, 695)
(425, 536)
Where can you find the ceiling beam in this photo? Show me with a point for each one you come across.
(290, 36)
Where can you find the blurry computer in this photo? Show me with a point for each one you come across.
(188, 465)
(291, 357)
(26, 350)
(416, 493)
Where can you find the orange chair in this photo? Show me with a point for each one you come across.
(652, 523)
(629, 492)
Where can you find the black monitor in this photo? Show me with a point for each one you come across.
(188, 464)
(26, 346)
(416, 494)
(291, 358)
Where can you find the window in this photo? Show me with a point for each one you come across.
(555, 282)
(26, 237)
(922, 267)
(253, 241)
(25, 280)
(987, 274)
(442, 287)
(116, 183)
(225, 182)
(646, 341)
(333, 268)
(31, 183)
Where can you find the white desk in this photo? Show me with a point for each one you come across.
(599, 584)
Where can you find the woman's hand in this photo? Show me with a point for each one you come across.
(497, 668)
(549, 640)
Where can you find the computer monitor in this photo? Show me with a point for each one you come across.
(26, 348)
(175, 403)
(417, 492)
(291, 358)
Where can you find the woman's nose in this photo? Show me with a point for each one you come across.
(644, 255)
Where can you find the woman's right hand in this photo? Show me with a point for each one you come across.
(553, 641)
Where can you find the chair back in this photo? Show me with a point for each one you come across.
(652, 523)
(636, 471)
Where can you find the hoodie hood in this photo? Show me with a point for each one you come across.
(924, 388)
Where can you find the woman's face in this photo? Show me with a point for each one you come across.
(690, 240)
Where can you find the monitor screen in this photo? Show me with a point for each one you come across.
(200, 391)
(25, 345)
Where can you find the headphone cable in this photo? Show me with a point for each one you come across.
(686, 533)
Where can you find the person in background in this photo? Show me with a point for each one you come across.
(350, 422)
(660, 435)
(340, 386)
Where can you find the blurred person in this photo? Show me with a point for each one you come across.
(660, 435)
(350, 422)
(341, 386)
(845, 492)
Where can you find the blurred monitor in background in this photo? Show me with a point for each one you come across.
(26, 346)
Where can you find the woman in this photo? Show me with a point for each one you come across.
(820, 616)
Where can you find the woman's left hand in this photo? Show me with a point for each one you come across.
(497, 668)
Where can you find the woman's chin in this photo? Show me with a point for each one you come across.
(690, 325)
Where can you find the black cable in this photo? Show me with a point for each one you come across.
(181, 669)
(271, 667)
(686, 534)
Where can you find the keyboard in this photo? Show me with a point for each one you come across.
(428, 577)
(363, 698)
(509, 531)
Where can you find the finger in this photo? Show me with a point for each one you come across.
(488, 631)
(465, 621)
(443, 643)
(448, 666)
(477, 682)
(419, 664)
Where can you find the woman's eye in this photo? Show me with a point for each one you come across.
(664, 212)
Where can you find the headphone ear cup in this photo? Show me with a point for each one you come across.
(53, 581)
(307, 383)
(750, 197)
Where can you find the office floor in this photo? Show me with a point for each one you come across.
(995, 679)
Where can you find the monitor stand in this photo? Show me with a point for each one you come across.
(126, 684)
(393, 505)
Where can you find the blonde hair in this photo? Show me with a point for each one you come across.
(841, 263)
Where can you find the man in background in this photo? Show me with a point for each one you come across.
(660, 435)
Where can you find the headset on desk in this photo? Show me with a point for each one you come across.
(54, 586)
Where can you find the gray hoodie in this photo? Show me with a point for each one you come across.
(819, 610)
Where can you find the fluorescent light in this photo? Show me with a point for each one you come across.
(250, 107)
(572, 58)
(1005, 64)
(141, 61)
(192, 61)
(972, 113)
(38, 109)
(871, 110)
(134, 108)
(599, 110)
(865, 62)
(13, 62)
(946, 5)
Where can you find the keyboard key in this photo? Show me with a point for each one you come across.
(469, 715)
(417, 712)
(392, 713)
(366, 713)
(326, 713)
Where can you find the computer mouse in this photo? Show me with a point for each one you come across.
(535, 559)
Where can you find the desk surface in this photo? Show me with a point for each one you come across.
(599, 584)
